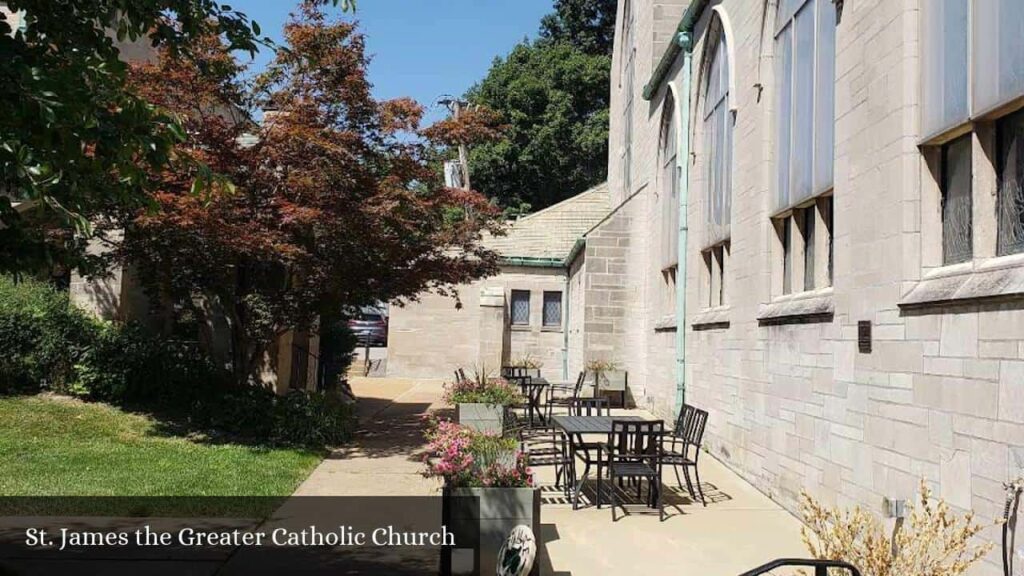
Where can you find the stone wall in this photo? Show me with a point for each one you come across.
(644, 323)
(431, 338)
(795, 405)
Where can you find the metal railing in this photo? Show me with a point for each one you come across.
(821, 567)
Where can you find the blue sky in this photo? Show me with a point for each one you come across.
(422, 48)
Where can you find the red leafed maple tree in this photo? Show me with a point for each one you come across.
(332, 204)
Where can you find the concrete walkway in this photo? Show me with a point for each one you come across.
(739, 529)
(383, 458)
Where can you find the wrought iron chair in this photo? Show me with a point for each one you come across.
(634, 452)
(590, 453)
(683, 446)
(509, 372)
(547, 446)
(570, 393)
(588, 407)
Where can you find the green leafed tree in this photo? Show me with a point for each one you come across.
(75, 142)
(586, 24)
(553, 94)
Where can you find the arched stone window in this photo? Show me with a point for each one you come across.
(717, 120)
(668, 148)
(669, 175)
(627, 81)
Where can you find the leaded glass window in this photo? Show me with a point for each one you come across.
(718, 129)
(1010, 166)
(944, 54)
(810, 225)
(805, 76)
(787, 255)
(997, 73)
(669, 185)
(552, 312)
(629, 72)
(957, 204)
(520, 312)
(972, 53)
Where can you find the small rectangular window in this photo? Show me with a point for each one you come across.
(957, 225)
(809, 225)
(787, 256)
(1010, 167)
(520, 311)
(709, 274)
(668, 278)
(552, 312)
(825, 204)
(715, 263)
(721, 255)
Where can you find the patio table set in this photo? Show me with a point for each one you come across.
(562, 429)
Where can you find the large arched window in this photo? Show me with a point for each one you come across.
(669, 184)
(627, 79)
(718, 129)
(668, 201)
(805, 54)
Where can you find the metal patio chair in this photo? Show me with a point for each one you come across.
(682, 447)
(634, 452)
(589, 453)
(564, 394)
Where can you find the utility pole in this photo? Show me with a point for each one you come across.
(455, 106)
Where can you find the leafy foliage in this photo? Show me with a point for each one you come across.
(482, 388)
(331, 205)
(75, 142)
(468, 459)
(48, 344)
(41, 337)
(554, 98)
(937, 541)
(553, 95)
(586, 24)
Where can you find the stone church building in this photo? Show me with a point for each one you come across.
(815, 231)
(833, 192)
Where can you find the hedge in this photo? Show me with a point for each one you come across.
(46, 343)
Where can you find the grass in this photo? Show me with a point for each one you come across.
(56, 446)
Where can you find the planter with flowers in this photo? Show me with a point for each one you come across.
(481, 402)
(488, 491)
(605, 376)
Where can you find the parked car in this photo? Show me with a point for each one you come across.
(370, 324)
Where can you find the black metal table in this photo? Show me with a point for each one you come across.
(574, 428)
(533, 390)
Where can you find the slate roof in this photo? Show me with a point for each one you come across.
(552, 232)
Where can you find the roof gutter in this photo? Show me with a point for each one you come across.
(581, 242)
(683, 40)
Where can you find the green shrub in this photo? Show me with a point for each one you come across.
(310, 418)
(41, 337)
(47, 343)
(126, 365)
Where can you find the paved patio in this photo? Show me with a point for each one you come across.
(738, 530)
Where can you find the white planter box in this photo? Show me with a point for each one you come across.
(481, 519)
(486, 418)
(614, 381)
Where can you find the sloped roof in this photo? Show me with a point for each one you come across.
(551, 233)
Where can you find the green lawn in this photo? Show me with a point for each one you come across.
(54, 446)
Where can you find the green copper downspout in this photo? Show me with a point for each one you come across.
(682, 43)
(685, 41)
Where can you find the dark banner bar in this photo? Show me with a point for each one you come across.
(227, 536)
